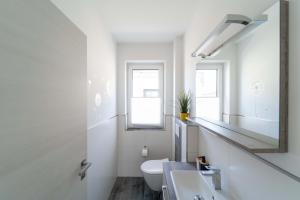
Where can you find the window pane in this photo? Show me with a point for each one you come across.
(144, 81)
(146, 111)
(206, 83)
(151, 93)
(208, 108)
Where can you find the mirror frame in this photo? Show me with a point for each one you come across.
(218, 129)
(284, 77)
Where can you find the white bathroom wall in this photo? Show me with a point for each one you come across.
(101, 97)
(178, 71)
(178, 84)
(130, 143)
(293, 155)
(244, 176)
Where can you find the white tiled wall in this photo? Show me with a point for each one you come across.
(130, 144)
(244, 176)
(102, 149)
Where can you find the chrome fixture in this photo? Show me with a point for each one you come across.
(215, 174)
(165, 192)
(230, 26)
(84, 166)
(198, 197)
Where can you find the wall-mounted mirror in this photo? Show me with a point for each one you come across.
(242, 84)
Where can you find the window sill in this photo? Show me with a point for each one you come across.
(146, 129)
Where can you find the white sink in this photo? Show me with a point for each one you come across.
(187, 184)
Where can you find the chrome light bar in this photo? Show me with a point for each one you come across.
(220, 34)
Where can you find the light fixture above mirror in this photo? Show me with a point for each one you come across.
(231, 26)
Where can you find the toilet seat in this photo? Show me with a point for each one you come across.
(153, 166)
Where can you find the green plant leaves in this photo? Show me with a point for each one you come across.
(184, 101)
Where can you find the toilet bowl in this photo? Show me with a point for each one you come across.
(153, 170)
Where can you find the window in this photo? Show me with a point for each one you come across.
(209, 91)
(145, 95)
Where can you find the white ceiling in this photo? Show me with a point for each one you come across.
(162, 20)
(147, 20)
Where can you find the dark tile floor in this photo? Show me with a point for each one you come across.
(133, 188)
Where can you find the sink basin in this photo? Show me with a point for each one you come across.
(187, 184)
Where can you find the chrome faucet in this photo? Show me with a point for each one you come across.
(215, 174)
(198, 197)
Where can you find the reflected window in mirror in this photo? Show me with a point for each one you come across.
(209, 101)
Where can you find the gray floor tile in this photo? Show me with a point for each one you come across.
(133, 188)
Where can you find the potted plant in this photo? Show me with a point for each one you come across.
(184, 102)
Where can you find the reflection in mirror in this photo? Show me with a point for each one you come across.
(239, 87)
(208, 90)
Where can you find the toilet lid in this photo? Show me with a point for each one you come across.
(153, 166)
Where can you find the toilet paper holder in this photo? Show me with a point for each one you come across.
(145, 151)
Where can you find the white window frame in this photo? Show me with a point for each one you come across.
(144, 65)
(219, 68)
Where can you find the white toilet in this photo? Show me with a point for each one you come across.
(153, 170)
